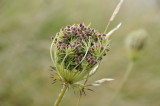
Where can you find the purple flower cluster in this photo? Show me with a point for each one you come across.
(91, 59)
(75, 38)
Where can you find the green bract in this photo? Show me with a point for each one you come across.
(76, 51)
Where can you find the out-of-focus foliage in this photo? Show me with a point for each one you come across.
(25, 30)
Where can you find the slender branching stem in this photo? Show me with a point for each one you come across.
(129, 69)
(61, 95)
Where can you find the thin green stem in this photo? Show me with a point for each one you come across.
(61, 95)
(129, 69)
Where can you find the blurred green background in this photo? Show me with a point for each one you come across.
(25, 30)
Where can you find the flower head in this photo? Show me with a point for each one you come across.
(76, 50)
(135, 42)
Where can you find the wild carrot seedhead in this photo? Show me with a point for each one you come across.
(76, 52)
(77, 49)
(135, 42)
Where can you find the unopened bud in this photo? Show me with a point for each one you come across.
(135, 42)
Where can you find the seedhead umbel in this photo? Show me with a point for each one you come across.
(76, 50)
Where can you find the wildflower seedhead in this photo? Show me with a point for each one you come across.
(135, 43)
(78, 49)
(76, 52)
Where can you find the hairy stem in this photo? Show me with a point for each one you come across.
(61, 95)
(129, 69)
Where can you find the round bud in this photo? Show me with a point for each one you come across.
(135, 42)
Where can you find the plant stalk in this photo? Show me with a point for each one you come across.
(129, 69)
(61, 95)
